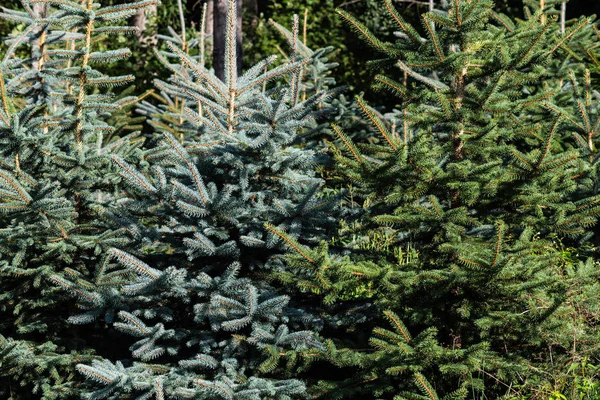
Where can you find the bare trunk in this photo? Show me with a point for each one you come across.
(210, 17)
(208, 32)
(139, 20)
(220, 27)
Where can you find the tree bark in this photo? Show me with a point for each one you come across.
(210, 18)
(139, 20)
(220, 29)
(220, 26)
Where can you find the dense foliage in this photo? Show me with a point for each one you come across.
(275, 235)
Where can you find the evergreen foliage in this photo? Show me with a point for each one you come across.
(481, 188)
(231, 186)
(56, 183)
(209, 247)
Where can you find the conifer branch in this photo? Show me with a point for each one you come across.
(456, 10)
(429, 82)
(363, 30)
(347, 142)
(410, 32)
(376, 121)
(4, 99)
(89, 371)
(429, 25)
(10, 180)
(83, 78)
(291, 242)
(580, 25)
(500, 227)
(533, 44)
(563, 114)
(399, 325)
(133, 176)
(175, 145)
(200, 71)
(548, 143)
(135, 264)
(396, 87)
(425, 386)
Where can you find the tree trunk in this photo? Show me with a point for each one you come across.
(220, 28)
(210, 17)
(139, 20)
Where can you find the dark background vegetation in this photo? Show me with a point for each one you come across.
(323, 28)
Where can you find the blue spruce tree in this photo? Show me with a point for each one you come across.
(57, 184)
(213, 210)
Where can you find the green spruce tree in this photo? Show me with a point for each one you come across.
(477, 195)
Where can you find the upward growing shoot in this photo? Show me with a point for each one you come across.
(231, 59)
